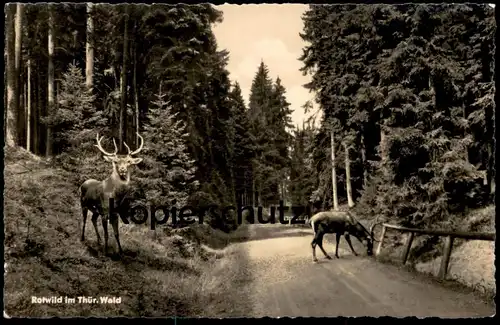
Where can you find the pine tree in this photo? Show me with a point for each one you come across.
(302, 174)
(281, 121)
(222, 133)
(76, 124)
(75, 116)
(243, 154)
(168, 174)
(260, 106)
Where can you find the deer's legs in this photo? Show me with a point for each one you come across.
(348, 238)
(85, 212)
(318, 240)
(313, 244)
(320, 244)
(105, 226)
(95, 215)
(337, 246)
(114, 224)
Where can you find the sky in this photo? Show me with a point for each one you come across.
(268, 32)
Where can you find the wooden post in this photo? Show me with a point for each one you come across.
(445, 260)
(406, 250)
(382, 235)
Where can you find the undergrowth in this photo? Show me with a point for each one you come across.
(181, 272)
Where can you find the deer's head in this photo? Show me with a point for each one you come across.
(367, 237)
(121, 163)
(371, 239)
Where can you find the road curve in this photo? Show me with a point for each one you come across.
(286, 283)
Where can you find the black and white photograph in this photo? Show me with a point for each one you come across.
(249, 160)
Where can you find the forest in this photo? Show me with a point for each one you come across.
(405, 92)
(408, 111)
(75, 70)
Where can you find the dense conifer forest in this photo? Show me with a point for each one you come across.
(406, 94)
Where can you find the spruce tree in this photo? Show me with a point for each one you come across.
(168, 173)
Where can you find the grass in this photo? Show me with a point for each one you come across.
(192, 271)
(472, 262)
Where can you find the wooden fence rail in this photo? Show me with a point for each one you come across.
(448, 245)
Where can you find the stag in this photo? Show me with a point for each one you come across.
(95, 194)
(339, 223)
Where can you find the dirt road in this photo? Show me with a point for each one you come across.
(287, 283)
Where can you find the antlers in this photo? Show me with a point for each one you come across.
(138, 150)
(99, 146)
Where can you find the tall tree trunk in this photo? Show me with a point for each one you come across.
(50, 87)
(37, 136)
(11, 137)
(21, 114)
(364, 162)
(253, 187)
(5, 102)
(56, 108)
(283, 190)
(28, 108)
(350, 202)
(323, 202)
(490, 148)
(489, 113)
(234, 198)
(259, 184)
(89, 61)
(334, 174)
(25, 106)
(136, 96)
(19, 40)
(22, 110)
(492, 167)
(123, 83)
(249, 186)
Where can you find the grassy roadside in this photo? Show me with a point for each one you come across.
(472, 263)
(186, 272)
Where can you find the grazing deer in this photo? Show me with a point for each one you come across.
(339, 223)
(95, 194)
